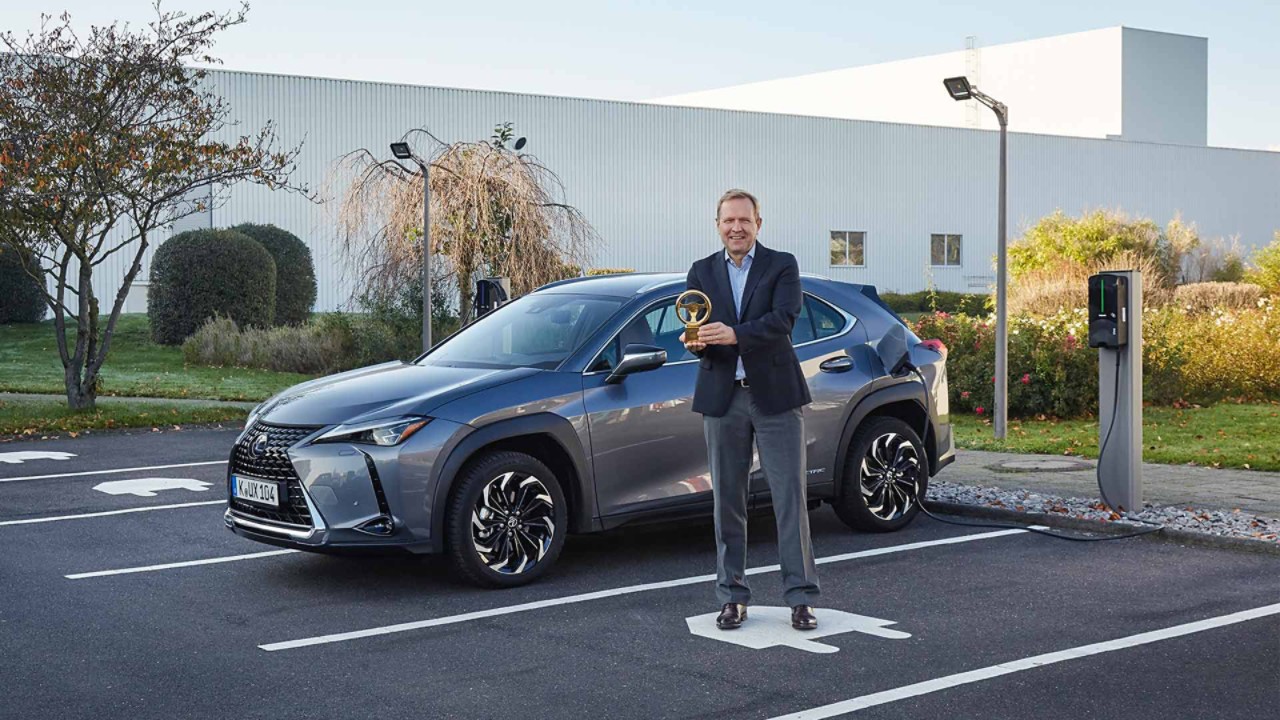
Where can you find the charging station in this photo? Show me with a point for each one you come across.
(1115, 328)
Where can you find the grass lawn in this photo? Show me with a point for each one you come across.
(136, 367)
(39, 417)
(1224, 435)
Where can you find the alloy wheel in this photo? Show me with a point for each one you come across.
(512, 523)
(890, 476)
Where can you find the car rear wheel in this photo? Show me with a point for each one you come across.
(886, 475)
(507, 520)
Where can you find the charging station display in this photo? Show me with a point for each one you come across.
(1108, 310)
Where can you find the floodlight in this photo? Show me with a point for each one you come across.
(958, 87)
(401, 150)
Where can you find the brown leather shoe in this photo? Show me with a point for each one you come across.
(802, 618)
(731, 616)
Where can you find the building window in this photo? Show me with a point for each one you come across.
(847, 248)
(944, 250)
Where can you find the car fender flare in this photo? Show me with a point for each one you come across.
(556, 426)
(909, 391)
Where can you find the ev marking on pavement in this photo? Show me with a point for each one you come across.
(148, 487)
(771, 627)
(21, 456)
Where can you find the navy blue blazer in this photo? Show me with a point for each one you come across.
(771, 302)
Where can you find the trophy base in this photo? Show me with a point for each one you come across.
(691, 333)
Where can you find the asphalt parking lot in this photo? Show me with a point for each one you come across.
(124, 596)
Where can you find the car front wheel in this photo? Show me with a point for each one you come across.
(507, 520)
(886, 475)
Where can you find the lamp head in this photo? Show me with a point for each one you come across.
(520, 143)
(958, 88)
(401, 150)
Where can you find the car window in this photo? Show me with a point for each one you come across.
(538, 331)
(817, 320)
(657, 325)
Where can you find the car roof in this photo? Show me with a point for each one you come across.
(630, 284)
(620, 285)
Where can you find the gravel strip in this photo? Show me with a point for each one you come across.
(1236, 523)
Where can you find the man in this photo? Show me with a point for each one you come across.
(750, 387)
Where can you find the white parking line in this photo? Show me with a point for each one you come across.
(950, 681)
(615, 592)
(112, 471)
(149, 508)
(170, 566)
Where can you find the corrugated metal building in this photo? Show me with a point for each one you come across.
(647, 176)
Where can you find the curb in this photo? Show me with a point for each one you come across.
(1172, 535)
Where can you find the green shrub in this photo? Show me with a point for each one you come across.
(291, 348)
(328, 343)
(1199, 358)
(198, 274)
(1099, 237)
(295, 272)
(937, 300)
(1266, 267)
(21, 296)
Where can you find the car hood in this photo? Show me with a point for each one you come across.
(381, 391)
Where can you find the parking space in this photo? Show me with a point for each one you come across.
(164, 611)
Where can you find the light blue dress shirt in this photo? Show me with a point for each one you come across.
(738, 281)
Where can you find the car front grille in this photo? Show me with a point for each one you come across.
(273, 465)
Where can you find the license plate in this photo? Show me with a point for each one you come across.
(255, 491)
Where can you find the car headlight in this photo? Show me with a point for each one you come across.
(380, 432)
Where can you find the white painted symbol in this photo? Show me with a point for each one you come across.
(147, 487)
(771, 627)
(21, 456)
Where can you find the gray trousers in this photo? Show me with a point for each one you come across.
(780, 441)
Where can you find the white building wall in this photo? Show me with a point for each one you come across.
(1111, 82)
(1164, 84)
(647, 177)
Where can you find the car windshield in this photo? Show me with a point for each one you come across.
(535, 331)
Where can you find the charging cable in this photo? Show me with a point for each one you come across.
(1061, 536)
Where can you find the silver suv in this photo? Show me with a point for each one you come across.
(567, 411)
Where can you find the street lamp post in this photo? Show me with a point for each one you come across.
(402, 152)
(960, 89)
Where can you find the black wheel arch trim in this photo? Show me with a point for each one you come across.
(901, 391)
(581, 495)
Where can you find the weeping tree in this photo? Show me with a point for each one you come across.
(108, 137)
(494, 211)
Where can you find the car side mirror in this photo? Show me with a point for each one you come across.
(892, 350)
(637, 358)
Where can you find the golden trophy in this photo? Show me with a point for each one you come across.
(696, 311)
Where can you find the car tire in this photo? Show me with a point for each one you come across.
(871, 501)
(506, 521)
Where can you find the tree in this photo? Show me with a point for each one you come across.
(104, 140)
(493, 211)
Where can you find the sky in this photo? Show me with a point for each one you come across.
(641, 50)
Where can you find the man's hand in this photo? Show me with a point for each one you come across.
(717, 334)
(695, 346)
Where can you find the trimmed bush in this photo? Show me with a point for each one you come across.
(295, 272)
(199, 274)
(21, 297)
(937, 300)
(1207, 296)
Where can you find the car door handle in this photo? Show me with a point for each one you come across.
(837, 364)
